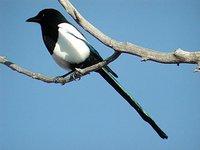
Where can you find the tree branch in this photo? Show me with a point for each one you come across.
(76, 75)
(176, 57)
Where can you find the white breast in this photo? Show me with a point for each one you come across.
(69, 47)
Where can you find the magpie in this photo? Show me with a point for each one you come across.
(70, 50)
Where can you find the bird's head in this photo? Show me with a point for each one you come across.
(48, 17)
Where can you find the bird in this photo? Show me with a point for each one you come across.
(71, 50)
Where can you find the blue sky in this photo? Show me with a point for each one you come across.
(88, 114)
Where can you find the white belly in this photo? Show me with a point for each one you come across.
(69, 49)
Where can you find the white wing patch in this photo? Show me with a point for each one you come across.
(69, 47)
(71, 29)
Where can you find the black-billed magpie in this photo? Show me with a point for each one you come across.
(70, 49)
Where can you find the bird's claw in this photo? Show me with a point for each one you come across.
(76, 75)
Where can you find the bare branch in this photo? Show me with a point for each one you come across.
(176, 57)
(76, 75)
(26, 72)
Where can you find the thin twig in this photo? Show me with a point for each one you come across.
(61, 80)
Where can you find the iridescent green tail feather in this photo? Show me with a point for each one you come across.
(116, 85)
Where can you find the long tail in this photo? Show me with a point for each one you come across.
(115, 84)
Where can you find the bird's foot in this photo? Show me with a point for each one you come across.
(76, 75)
(60, 78)
(63, 76)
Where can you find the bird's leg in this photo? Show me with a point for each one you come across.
(70, 72)
(63, 76)
(76, 74)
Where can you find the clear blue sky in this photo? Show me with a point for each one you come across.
(88, 114)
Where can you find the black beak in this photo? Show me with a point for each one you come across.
(33, 19)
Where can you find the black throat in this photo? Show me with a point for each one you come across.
(50, 36)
